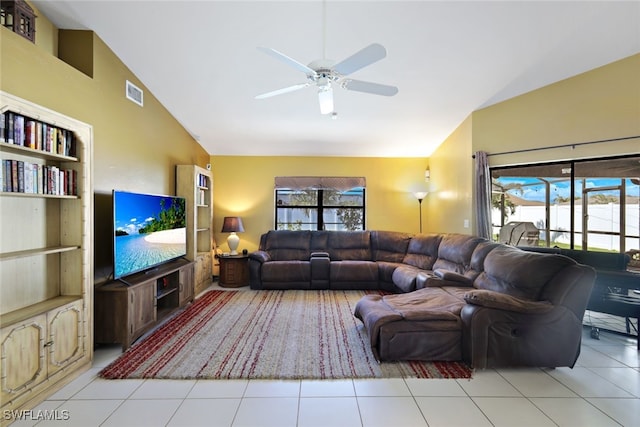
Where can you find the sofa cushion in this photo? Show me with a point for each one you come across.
(518, 273)
(386, 269)
(426, 304)
(389, 246)
(284, 245)
(454, 252)
(353, 275)
(286, 271)
(476, 266)
(422, 251)
(404, 277)
(423, 304)
(420, 325)
(347, 245)
(501, 301)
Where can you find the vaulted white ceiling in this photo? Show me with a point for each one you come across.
(447, 58)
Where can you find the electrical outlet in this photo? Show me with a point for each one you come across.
(466, 223)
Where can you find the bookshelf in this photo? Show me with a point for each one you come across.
(195, 184)
(46, 252)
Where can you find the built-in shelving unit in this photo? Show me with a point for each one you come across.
(46, 252)
(195, 184)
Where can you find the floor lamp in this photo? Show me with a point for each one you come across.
(420, 195)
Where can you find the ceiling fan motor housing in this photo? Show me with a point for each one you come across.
(323, 78)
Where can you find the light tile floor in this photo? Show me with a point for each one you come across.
(603, 389)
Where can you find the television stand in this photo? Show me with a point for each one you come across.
(126, 309)
(123, 281)
(151, 271)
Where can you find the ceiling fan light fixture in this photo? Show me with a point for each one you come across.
(325, 97)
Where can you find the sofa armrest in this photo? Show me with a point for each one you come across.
(497, 300)
(260, 256)
(320, 266)
(494, 337)
(451, 276)
(440, 278)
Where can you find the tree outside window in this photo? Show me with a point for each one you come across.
(320, 209)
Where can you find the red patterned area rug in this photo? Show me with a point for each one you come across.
(267, 335)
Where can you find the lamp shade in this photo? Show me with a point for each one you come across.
(420, 195)
(232, 224)
(325, 97)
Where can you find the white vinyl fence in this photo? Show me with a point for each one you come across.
(602, 217)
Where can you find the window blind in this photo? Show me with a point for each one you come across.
(341, 183)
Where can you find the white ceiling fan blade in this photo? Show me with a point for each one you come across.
(368, 87)
(325, 98)
(284, 58)
(283, 90)
(361, 59)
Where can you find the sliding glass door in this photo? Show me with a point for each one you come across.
(592, 204)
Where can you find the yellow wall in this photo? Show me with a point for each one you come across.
(135, 148)
(450, 198)
(600, 104)
(244, 186)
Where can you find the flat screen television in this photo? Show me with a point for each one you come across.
(148, 230)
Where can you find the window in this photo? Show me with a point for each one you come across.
(591, 204)
(319, 208)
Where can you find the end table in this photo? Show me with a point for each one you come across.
(234, 271)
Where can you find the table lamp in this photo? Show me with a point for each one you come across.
(233, 225)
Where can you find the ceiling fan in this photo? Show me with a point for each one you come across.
(324, 73)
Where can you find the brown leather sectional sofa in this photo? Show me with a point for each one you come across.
(449, 296)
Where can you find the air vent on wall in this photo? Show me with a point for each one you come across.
(134, 93)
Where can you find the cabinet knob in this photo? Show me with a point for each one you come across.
(48, 343)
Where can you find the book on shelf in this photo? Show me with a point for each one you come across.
(3, 121)
(30, 134)
(28, 178)
(20, 177)
(9, 127)
(18, 130)
(6, 176)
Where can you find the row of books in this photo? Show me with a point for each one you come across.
(202, 198)
(17, 176)
(26, 132)
(202, 180)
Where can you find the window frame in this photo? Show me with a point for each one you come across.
(319, 207)
(578, 204)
